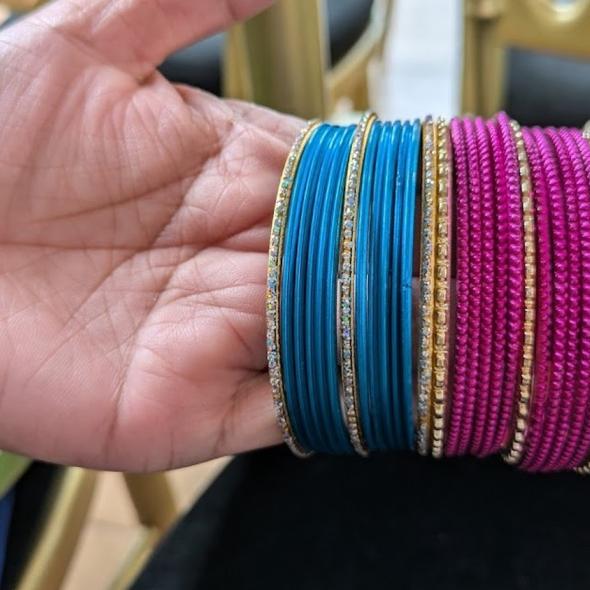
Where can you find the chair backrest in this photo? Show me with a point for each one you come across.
(280, 59)
(558, 27)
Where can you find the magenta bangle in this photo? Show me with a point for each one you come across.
(489, 400)
(543, 355)
(458, 380)
(515, 298)
(495, 435)
(475, 284)
(581, 398)
(545, 425)
(552, 447)
(581, 451)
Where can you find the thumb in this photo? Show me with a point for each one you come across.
(137, 35)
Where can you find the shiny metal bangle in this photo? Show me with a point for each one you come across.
(442, 277)
(273, 289)
(516, 447)
(346, 273)
(426, 292)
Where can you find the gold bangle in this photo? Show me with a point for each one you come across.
(585, 469)
(427, 286)
(442, 275)
(346, 292)
(516, 448)
(273, 288)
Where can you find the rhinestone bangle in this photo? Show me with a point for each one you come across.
(426, 307)
(442, 273)
(515, 450)
(274, 278)
(346, 274)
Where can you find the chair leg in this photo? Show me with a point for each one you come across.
(153, 499)
(59, 533)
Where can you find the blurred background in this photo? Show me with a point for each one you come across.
(71, 528)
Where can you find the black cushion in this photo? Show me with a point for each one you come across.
(547, 90)
(392, 521)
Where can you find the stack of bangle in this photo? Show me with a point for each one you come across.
(497, 329)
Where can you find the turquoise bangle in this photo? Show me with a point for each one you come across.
(317, 149)
(375, 271)
(326, 323)
(322, 400)
(395, 354)
(407, 263)
(314, 371)
(293, 375)
(364, 300)
(384, 182)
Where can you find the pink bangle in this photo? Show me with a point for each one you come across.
(495, 437)
(580, 410)
(515, 302)
(552, 447)
(581, 451)
(489, 398)
(457, 381)
(542, 367)
(544, 426)
(475, 286)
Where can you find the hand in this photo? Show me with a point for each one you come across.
(134, 223)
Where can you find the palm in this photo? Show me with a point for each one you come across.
(134, 226)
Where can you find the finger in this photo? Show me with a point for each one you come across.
(137, 35)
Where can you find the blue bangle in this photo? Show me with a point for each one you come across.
(364, 297)
(382, 228)
(407, 262)
(316, 440)
(290, 299)
(326, 325)
(319, 400)
(396, 238)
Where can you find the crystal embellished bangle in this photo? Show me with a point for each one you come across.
(274, 278)
(347, 269)
(426, 292)
(442, 275)
(517, 319)
(516, 447)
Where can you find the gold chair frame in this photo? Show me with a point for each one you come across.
(491, 26)
(280, 59)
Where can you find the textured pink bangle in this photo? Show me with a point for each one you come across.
(552, 447)
(475, 286)
(458, 379)
(544, 289)
(543, 427)
(579, 421)
(489, 398)
(495, 434)
(515, 302)
(582, 448)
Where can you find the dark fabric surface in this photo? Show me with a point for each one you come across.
(547, 90)
(395, 521)
(200, 64)
(31, 495)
